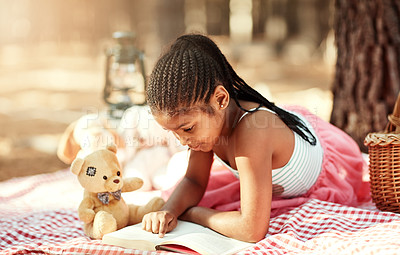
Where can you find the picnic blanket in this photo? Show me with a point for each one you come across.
(38, 216)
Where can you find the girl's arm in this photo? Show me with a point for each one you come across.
(188, 193)
(252, 222)
(253, 158)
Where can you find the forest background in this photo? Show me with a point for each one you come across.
(52, 59)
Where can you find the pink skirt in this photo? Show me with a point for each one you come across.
(340, 180)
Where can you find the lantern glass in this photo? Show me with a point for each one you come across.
(125, 82)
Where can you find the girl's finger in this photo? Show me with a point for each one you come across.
(163, 228)
(148, 224)
(155, 225)
(171, 225)
(144, 222)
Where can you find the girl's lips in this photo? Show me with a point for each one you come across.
(195, 148)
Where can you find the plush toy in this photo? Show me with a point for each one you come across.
(102, 209)
(86, 135)
(138, 137)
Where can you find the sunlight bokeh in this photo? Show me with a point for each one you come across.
(52, 59)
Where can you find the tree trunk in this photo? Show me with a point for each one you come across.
(171, 20)
(367, 77)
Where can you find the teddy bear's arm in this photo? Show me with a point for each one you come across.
(131, 184)
(85, 210)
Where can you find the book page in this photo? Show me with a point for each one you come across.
(194, 236)
(209, 243)
(135, 237)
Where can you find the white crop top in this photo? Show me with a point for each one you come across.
(301, 171)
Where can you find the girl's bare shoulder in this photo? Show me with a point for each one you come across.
(262, 130)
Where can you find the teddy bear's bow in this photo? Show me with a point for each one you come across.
(104, 196)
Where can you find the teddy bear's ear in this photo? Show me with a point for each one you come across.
(68, 147)
(76, 166)
(112, 147)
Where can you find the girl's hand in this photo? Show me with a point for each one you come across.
(159, 222)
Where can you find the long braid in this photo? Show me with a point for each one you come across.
(245, 92)
(188, 72)
(241, 90)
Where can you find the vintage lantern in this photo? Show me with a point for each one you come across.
(125, 79)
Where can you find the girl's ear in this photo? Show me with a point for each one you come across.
(220, 98)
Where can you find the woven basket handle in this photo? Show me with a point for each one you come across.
(394, 118)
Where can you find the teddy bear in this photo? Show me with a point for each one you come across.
(138, 137)
(85, 135)
(103, 210)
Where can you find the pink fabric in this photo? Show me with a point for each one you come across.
(343, 167)
(340, 180)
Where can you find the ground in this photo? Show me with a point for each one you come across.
(39, 98)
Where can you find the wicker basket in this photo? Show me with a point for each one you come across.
(384, 163)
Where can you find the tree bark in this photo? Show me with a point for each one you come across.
(367, 78)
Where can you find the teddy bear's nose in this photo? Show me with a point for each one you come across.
(116, 181)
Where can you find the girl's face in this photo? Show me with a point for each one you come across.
(195, 128)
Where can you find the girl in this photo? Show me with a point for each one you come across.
(195, 93)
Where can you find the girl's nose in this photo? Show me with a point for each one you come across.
(182, 140)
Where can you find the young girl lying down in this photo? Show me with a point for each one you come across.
(195, 94)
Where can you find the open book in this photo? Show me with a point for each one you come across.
(187, 237)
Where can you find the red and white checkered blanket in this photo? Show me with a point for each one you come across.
(38, 215)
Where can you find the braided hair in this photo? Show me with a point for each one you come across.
(187, 75)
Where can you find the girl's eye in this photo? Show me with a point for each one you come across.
(188, 129)
(118, 173)
(105, 177)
